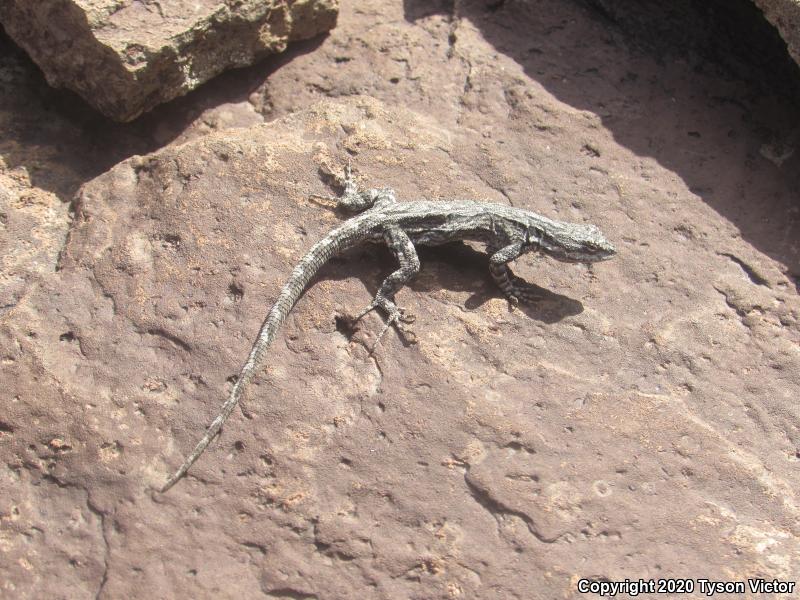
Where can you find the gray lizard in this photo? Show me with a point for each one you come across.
(507, 232)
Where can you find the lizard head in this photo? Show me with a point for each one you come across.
(570, 242)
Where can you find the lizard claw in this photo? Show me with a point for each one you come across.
(372, 306)
(393, 319)
(406, 317)
(525, 293)
(522, 292)
(395, 316)
(513, 302)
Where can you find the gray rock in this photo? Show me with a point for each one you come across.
(126, 57)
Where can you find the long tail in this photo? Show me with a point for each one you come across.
(336, 241)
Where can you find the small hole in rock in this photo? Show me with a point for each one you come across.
(344, 326)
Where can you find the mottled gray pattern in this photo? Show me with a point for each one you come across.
(507, 231)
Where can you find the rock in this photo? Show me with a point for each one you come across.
(641, 422)
(731, 33)
(34, 224)
(785, 16)
(124, 58)
(597, 434)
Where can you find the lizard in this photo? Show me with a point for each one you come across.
(508, 233)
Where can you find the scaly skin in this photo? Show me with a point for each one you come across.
(508, 233)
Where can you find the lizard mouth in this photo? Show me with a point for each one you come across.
(584, 258)
(588, 254)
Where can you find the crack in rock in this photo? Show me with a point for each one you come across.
(495, 507)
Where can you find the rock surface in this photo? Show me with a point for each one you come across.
(503, 453)
(722, 33)
(33, 219)
(124, 58)
(641, 422)
(34, 225)
(785, 15)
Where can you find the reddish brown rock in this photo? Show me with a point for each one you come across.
(640, 423)
(598, 434)
(124, 58)
(33, 223)
(756, 38)
(785, 16)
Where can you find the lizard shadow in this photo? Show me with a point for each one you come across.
(701, 88)
(456, 267)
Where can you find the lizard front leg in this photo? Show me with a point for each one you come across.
(354, 200)
(403, 248)
(514, 288)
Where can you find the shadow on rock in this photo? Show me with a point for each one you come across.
(706, 89)
(454, 267)
(83, 143)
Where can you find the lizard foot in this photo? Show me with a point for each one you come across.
(513, 302)
(522, 292)
(395, 316)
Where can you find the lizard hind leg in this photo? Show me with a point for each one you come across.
(403, 249)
